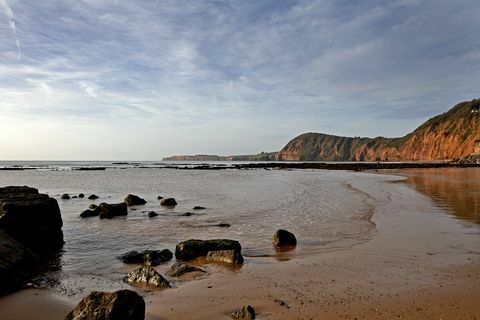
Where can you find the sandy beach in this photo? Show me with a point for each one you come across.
(417, 265)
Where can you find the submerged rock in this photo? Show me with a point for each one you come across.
(148, 276)
(108, 211)
(168, 202)
(223, 225)
(92, 197)
(152, 214)
(133, 200)
(284, 238)
(191, 249)
(89, 213)
(31, 218)
(119, 305)
(148, 257)
(178, 269)
(187, 214)
(226, 256)
(199, 208)
(65, 196)
(246, 312)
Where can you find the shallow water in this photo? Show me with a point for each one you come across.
(327, 210)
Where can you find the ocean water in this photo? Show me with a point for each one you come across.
(327, 210)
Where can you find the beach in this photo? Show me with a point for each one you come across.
(376, 245)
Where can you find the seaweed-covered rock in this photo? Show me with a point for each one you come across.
(148, 257)
(226, 256)
(119, 305)
(284, 238)
(168, 202)
(178, 269)
(65, 196)
(133, 200)
(147, 276)
(108, 211)
(31, 218)
(191, 249)
(246, 312)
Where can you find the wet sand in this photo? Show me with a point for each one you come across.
(418, 265)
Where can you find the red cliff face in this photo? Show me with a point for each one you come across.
(450, 135)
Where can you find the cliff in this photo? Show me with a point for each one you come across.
(450, 135)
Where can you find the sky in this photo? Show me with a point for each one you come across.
(141, 80)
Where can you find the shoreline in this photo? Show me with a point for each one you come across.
(405, 270)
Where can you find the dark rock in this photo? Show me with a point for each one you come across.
(92, 197)
(246, 312)
(81, 195)
(108, 211)
(31, 218)
(223, 225)
(199, 208)
(148, 257)
(65, 196)
(152, 214)
(226, 256)
(178, 269)
(93, 206)
(191, 249)
(74, 197)
(187, 214)
(89, 213)
(159, 198)
(146, 275)
(168, 202)
(133, 200)
(17, 264)
(119, 305)
(284, 238)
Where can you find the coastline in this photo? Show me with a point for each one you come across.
(406, 270)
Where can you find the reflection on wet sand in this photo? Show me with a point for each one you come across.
(454, 189)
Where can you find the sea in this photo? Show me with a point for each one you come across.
(326, 209)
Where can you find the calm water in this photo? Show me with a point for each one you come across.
(327, 210)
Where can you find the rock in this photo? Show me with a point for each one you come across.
(133, 200)
(191, 249)
(108, 211)
(226, 256)
(168, 202)
(93, 206)
(178, 269)
(159, 198)
(81, 195)
(17, 264)
(92, 197)
(74, 197)
(246, 312)
(119, 305)
(89, 213)
(152, 214)
(199, 208)
(146, 275)
(284, 238)
(223, 225)
(31, 218)
(65, 196)
(148, 257)
(187, 214)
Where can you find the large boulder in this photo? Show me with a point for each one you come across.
(119, 305)
(225, 256)
(146, 276)
(147, 257)
(108, 211)
(133, 200)
(283, 238)
(17, 264)
(168, 202)
(191, 249)
(31, 218)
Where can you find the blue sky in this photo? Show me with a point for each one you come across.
(140, 80)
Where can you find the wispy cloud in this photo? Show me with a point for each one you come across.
(8, 11)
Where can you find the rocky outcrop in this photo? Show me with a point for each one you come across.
(133, 200)
(168, 202)
(31, 218)
(284, 238)
(108, 211)
(119, 305)
(147, 257)
(146, 276)
(178, 269)
(191, 249)
(246, 312)
(450, 135)
(225, 256)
